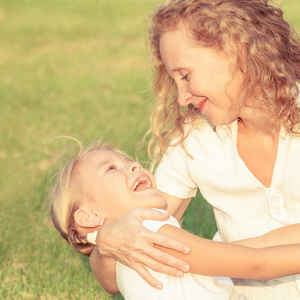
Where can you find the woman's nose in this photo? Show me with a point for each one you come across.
(184, 97)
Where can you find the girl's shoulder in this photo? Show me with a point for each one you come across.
(154, 225)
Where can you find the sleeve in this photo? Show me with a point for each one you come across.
(172, 175)
(156, 225)
(131, 284)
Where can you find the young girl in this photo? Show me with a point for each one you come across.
(101, 183)
(227, 122)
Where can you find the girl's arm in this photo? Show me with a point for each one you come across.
(213, 258)
(108, 282)
(128, 241)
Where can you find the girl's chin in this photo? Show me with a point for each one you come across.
(160, 205)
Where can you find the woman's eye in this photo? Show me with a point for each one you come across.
(185, 77)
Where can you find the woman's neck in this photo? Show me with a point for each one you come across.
(252, 121)
(254, 129)
(257, 147)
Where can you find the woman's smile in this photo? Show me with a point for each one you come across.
(201, 105)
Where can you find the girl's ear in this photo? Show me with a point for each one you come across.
(86, 217)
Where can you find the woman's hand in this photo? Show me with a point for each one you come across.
(126, 240)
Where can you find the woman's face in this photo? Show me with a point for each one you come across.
(113, 185)
(203, 77)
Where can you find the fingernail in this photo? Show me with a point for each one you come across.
(159, 286)
(179, 274)
(186, 250)
(186, 268)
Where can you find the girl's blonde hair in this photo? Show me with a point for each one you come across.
(66, 195)
(256, 39)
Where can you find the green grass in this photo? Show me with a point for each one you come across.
(77, 68)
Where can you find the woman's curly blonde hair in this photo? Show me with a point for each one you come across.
(254, 36)
(66, 195)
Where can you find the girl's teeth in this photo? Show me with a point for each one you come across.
(140, 181)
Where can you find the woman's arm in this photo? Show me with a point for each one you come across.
(176, 206)
(281, 236)
(221, 259)
(126, 240)
(213, 258)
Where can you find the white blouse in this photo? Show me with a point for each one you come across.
(243, 207)
(189, 287)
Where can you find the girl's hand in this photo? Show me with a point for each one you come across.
(126, 240)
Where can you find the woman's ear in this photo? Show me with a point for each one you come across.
(86, 217)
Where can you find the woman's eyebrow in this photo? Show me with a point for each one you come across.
(176, 69)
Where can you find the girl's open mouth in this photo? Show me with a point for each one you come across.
(143, 182)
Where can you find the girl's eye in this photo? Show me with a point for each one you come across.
(111, 168)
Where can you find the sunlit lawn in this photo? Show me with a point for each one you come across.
(78, 68)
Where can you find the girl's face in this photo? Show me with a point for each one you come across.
(113, 184)
(203, 77)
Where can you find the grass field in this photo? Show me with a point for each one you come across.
(76, 68)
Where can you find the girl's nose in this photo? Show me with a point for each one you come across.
(134, 166)
(184, 97)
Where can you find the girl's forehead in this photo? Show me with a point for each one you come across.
(106, 155)
(94, 161)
